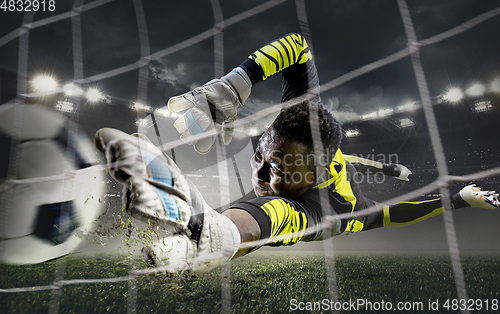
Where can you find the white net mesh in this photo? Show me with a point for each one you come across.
(154, 52)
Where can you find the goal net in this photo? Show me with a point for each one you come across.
(116, 63)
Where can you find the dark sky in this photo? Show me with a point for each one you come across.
(346, 34)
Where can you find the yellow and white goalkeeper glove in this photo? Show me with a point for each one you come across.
(209, 105)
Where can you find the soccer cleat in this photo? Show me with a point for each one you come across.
(480, 199)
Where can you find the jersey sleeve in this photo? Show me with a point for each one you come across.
(289, 55)
(279, 216)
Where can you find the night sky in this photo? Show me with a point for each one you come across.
(345, 35)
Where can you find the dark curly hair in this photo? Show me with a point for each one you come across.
(294, 123)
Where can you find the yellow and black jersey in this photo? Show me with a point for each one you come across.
(291, 56)
(278, 216)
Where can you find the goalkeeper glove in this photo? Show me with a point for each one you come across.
(401, 172)
(208, 105)
(475, 197)
(155, 188)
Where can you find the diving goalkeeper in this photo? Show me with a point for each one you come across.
(290, 171)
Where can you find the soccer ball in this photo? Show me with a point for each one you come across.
(50, 193)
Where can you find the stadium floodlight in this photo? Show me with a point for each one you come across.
(141, 123)
(163, 112)
(141, 107)
(476, 89)
(384, 112)
(44, 83)
(253, 132)
(369, 116)
(93, 95)
(454, 95)
(483, 106)
(406, 122)
(352, 133)
(72, 90)
(64, 106)
(408, 106)
(495, 85)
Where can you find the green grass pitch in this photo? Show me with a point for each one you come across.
(259, 284)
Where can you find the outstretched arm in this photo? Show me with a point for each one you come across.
(371, 167)
(215, 103)
(289, 55)
(406, 213)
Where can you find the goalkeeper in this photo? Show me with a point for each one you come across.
(289, 171)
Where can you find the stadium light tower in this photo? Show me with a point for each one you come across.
(476, 89)
(454, 95)
(93, 95)
(44, 83)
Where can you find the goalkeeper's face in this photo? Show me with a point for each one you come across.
(280, 167)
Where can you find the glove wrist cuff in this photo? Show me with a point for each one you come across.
(240, 81)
